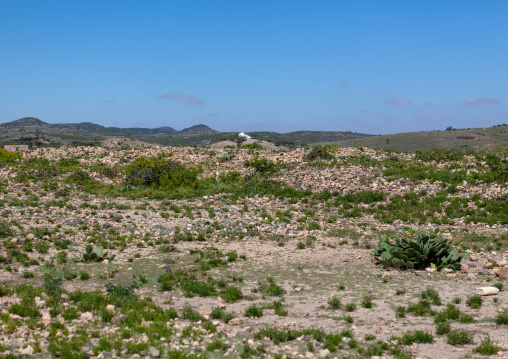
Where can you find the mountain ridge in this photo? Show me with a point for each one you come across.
(93, 127)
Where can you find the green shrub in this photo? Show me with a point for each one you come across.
(8, 158)
(486, 347)
(231, 294)
(400, 311)
(191, 314)
(261, 165)
(79, 177)
(459, 338)
(426, 251)
(278, 306)
(502, 318)
(443, 328)
(474, 302)
(192, 288)
(216, 345)
(270, 288)
(432, 295)
(367, 301)
(158, 172)
(319, 153)
(350, 307)
(254, 311)
(53, 280)
(439, 155)
(417, 336)
(5, 229)
(334, 303)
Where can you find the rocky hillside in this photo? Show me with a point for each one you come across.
(169, 252)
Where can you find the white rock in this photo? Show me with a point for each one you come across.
(488, 291)
(86, 316)
(27, 351)
(46, 317)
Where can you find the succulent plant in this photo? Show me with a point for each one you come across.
(426, 251)
(96, 255)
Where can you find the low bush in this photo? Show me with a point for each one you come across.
(159, 172)
(459, 338)
(426, 251)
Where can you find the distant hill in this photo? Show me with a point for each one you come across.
(25, 121)
(152, 131)
(300, 138)
(196, 130)
(34, 132)
(475, 138)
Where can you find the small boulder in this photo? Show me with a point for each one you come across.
(154, 352)
(464, 268)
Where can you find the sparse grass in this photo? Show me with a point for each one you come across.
(474, 302)
(502, 318)
(459, 338)
(432, 295)
(334, 303)
(231, 294)
(417, 336)
(254, 311)
(367, 302)
(400, 311)
(486, 347)
(350, 307)
(443, 328)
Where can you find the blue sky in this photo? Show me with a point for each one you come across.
(365, 66)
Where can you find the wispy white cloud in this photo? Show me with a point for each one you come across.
(399, 101)
(188, 99)
(477, 101)
(434, 118)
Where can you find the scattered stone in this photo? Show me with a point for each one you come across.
(235, 321)
(110, 308)
(86, 316)
(464, 268)
(46, 317)
(323, 353)
(473, 257)
(154, 352)
(39, 303)
(500, 272)
(119, 318)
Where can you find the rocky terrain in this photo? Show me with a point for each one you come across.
(243, 252)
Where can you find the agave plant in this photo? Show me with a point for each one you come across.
(426, 251)
(96, 255)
